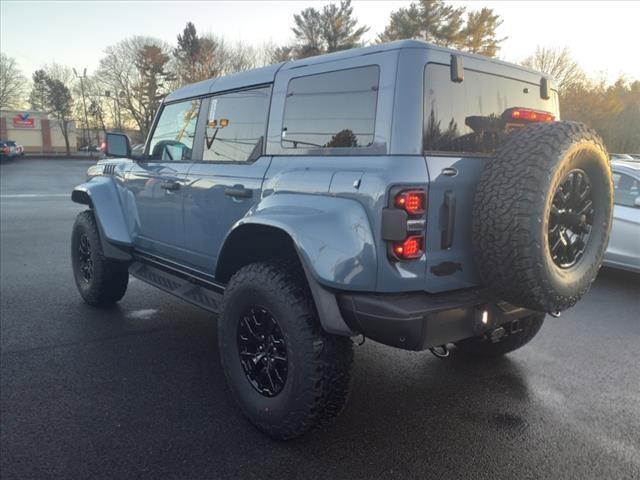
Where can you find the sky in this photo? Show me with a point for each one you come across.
(602, 36)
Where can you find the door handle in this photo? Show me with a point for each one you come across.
(170, 186)
(238, 191)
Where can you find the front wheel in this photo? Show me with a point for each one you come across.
(286, 374)
(516, 334)
(101, 281)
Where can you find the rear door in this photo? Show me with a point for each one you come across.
(227, 182)
(156, 184)
(463, 124)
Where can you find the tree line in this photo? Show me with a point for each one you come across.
(136, 73)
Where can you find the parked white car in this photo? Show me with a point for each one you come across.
(624, 243)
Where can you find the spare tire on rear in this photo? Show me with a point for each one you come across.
(542, 215)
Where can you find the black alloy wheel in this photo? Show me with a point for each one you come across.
(85, 259)
(263, 352)
(570, 219)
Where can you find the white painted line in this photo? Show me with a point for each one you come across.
(36, 195)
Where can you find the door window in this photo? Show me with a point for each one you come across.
(173, 136)
(236, 126)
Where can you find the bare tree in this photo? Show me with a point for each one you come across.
(62, 73)
(136, 69)
(12, 83)
(557, 63)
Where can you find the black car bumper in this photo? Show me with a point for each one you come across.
(417, 321)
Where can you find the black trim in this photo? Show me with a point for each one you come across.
(180, 270)
(457, 69)
(81, 197)
(394, 224)
(175, 284)
(419, 320)
(448, 220)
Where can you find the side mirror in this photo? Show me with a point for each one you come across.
(118, 145)
(636, 202)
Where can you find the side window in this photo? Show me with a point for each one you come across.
(236, 126)
(173, 136)
(626, 189)
(470, 116)
(331, 110)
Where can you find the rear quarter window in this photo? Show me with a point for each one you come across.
(331, 110)
(466, 117)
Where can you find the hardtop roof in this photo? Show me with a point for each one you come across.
(267, 74)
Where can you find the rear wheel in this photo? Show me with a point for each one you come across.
(101, 281)
(286, 374)
(515, 335)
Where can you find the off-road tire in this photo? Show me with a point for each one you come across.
(318, 377)
(484, 347)
(109, 278)
(511, 215)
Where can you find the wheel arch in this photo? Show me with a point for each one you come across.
(101, 195)
(255, 242)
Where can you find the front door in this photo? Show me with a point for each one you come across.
(156, 184)
(228, 181)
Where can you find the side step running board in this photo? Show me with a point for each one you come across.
(187, 289)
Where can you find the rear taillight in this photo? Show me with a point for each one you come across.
(528, 115)
(404, 222)
(410, 249)
(411, 201)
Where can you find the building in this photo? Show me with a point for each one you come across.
(35, 131)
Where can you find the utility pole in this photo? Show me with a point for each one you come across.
(86, 134)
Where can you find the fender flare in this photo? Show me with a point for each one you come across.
(103, 196)
(333, 240)
(331, 234)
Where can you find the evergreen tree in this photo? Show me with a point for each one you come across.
(59, 104)
(151, 62)
(436, 22)
(339, 27)
(308, 32)
(333, 29)
(429, 20)
(187, 53)
(479, 34)
(38, 95)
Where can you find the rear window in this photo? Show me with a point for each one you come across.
(331, 110)
(466, 117)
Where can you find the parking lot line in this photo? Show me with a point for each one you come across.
(35, 195)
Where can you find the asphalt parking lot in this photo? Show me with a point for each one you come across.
(137, 391)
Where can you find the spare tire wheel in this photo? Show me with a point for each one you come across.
(542, 215)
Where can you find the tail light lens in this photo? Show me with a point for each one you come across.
(411, 201)
(528, 115)
(409, 249)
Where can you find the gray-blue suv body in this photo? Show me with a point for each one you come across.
(415, 195)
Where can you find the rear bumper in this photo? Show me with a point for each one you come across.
(417, 321)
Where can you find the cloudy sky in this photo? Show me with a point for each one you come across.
(602, 36)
